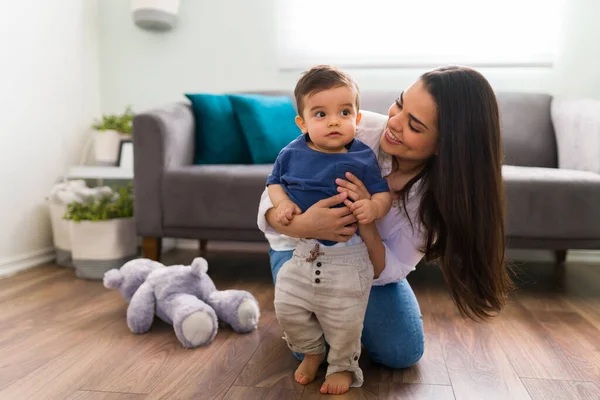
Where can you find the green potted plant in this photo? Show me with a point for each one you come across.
(102, 231)
(108, 133)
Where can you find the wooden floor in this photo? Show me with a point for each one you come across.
(66, 338)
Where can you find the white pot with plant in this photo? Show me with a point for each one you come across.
(62, 194)
(103, 234)
(108, 134)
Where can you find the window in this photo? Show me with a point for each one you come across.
(401, 33)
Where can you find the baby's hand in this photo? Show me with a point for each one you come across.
(365, 211)
(285, 212)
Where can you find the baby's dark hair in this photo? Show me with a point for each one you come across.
(319, 78)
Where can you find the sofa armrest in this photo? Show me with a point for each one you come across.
(577, 127)
(163, 138)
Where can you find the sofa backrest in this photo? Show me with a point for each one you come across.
(527, 130)
(525, 122)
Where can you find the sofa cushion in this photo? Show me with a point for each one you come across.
(213, 196)
(267, 123)
(552, 203)
(218, 134)
(577, 126)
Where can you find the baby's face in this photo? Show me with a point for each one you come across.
(330, 117)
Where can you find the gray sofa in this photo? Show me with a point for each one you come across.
(549, 207)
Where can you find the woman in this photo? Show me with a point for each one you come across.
(441, 152)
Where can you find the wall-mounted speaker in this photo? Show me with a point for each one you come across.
(160, 15)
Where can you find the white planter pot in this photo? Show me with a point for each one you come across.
(106, 146)
(98, 246)
(60, 234)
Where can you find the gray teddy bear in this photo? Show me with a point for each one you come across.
(183, 296)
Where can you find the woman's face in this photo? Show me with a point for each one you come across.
(411, 133)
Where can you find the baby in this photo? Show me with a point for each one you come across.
(323, 290)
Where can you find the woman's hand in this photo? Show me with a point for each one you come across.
(320, 221)
(354, 187)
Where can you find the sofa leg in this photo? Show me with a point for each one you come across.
(203, 243)
(561, 256)
(560, 269)
(151, 248)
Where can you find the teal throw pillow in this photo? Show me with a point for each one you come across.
(267, 123)
(218, 134)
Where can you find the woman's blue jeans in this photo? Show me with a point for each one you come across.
(393, 327)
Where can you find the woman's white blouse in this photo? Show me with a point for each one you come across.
(402, 240)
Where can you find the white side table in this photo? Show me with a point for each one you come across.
(99, 173)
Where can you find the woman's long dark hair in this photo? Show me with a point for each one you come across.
(463, 203)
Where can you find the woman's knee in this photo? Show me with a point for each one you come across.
(393, 332)
(403, 355)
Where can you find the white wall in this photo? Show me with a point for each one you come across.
(49, 96)
(229, 45)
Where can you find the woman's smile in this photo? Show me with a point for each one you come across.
(391, 138)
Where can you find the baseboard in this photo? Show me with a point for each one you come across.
(187, 244)
(584, 256)
(534, 255)
(168, 244)
(223, 246)
(11, 266)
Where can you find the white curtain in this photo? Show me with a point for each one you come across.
(397, 33)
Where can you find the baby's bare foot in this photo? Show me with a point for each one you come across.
(337, 383)
(307, 370)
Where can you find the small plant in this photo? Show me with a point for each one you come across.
(122, 123)
(104, 207)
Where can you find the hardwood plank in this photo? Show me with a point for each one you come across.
(141, 367)
(260, 393)
(572, 314)
(39, 343)
(91, 395)
(410, 391)
(56, 309)
(545, 389)
(580, 294)
(589, 310)
(36, 273)
(476, 363)
(42, 302)
(311, 392)
(30, 280)
(372, 374)
(66, 373)
(568, 332)
(146, 367)
(273, 364)
(528, 346)
(431, 369)
(208, 374)
(583, 292)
